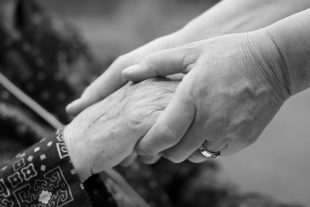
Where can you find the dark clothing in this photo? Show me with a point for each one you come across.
(47, 59)
(42, 176)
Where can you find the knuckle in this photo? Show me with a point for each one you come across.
(134, 116)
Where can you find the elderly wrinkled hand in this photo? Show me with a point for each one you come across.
(104, 134)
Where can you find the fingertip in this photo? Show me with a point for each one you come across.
(72, 108)
(78, 106)
(132, 73)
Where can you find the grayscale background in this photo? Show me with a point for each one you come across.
(277, 164)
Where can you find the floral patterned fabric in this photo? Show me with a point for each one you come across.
(42, 176)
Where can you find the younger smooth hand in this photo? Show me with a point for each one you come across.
(232, 89)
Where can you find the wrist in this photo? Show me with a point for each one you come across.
(75, 156)
(271, 63)
(293, 45)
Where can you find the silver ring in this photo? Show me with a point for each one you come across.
(208, 154)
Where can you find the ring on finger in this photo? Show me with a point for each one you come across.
(207, 153)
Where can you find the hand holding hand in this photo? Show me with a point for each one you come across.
(226, 17)
(233, 88)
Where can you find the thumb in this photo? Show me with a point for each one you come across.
(162, 63)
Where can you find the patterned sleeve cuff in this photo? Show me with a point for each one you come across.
(42, 175)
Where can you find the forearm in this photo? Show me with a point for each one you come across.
(234, 16)
(292, 38)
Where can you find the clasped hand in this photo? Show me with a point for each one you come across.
(232, 89)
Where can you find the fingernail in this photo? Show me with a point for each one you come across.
(70, 108)
(131, 69)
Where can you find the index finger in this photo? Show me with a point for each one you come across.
(103, 86)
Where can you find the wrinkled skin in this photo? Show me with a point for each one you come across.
(104, 134)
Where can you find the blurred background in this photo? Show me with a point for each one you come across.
(277, 164)
(115, 27)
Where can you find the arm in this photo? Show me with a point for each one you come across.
(228, 16)
(292, 38)
(234, 16)
(234, 86)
